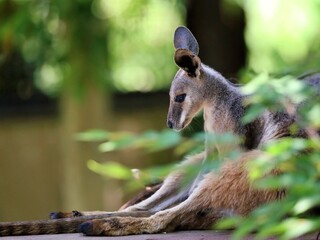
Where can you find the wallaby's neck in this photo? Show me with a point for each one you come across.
(223, 105)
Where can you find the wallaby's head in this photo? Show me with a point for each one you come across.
(186, 92)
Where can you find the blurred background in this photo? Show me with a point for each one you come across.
(70, 66)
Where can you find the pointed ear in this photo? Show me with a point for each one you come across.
(188, 61)
(184, 39)
(187, 49)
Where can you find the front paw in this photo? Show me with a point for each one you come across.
(57, 215)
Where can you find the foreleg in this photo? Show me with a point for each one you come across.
(171, 190)
(166, 195)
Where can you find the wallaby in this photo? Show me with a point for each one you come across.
(211, 195)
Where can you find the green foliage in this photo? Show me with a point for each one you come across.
(110, 169)
(120, 44)
(275, 94)
(140, 41)
(54, 37)
(152, 141)
(149, 141)
(282, 35)
(297, 159)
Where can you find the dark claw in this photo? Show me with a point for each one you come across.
(76, 213)
(86, 228)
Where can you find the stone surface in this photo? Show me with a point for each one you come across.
(185, 235)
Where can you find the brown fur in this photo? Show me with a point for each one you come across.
(210, 195)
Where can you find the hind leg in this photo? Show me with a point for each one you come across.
(164, 196)
(227, 192)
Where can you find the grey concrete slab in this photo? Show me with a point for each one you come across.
(185, 235)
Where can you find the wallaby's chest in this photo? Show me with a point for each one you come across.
(217, 121)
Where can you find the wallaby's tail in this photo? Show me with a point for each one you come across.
(52, 226)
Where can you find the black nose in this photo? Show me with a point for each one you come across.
(170, 125)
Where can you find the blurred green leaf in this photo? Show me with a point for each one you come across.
(156, 174)
(166, 139)
(93, 135)
(246, 228)
(313, 116)
(306, 203)
(228, 223)
(117, 144)
(110, 169)
(252, 113)
(296, 227)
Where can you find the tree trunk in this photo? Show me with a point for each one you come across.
(219, 29)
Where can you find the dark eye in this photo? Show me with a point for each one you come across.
(180, 98)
